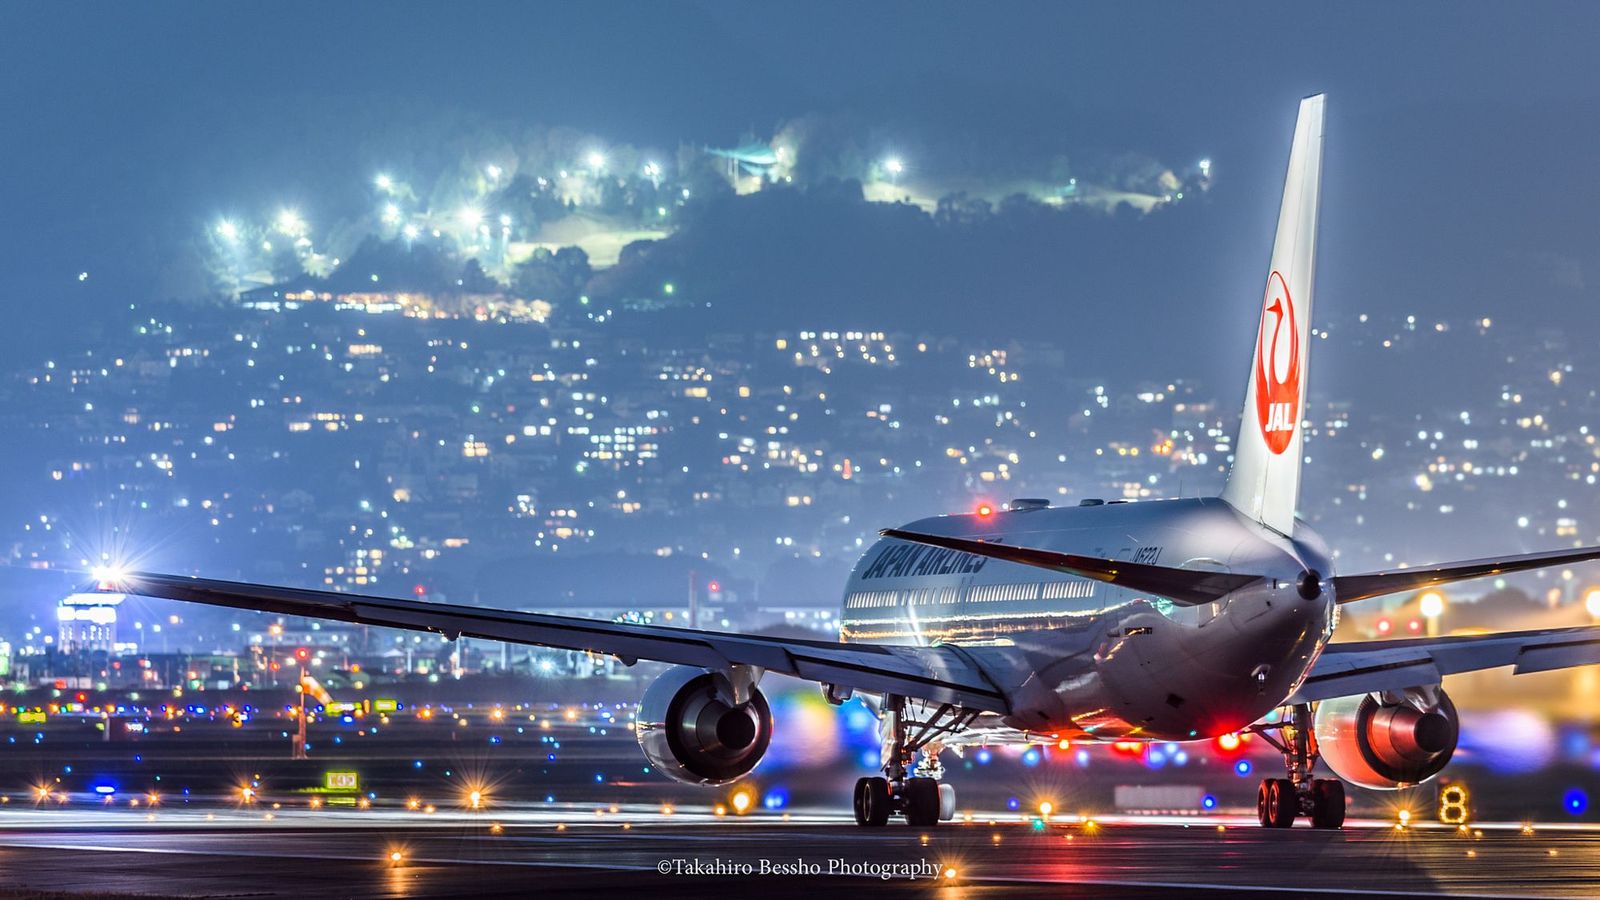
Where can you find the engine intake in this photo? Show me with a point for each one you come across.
(1385, 745)
(692, 730)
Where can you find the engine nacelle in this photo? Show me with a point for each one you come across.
(1386, 743)
(692, 730)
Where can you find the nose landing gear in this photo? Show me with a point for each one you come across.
(921, 798)
(1280, 800)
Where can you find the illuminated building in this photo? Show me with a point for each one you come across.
(88, 622)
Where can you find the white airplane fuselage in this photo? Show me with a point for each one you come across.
(1109, 662)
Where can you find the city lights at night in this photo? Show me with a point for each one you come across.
(556, 448)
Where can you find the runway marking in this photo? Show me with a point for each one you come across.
(410, 860)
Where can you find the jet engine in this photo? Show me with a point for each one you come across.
(693, 729)
(1386, 741)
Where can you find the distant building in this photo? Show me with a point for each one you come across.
(754, 158)
(88, 622)
(483, 306)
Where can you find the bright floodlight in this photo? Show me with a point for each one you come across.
(391, 213)
(505, 221)
(1432, 604)
(1591, 602)
(290, 223)
(228, 230)
(1205, 167)
(597, 160)
(411, 232)
(493, 171)
(384, 183)
(652, 169)
(470, 216)
(894, 166)
(108, 574)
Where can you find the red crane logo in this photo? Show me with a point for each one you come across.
(1277, 385)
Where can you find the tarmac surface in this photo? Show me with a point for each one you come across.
(568, 806)
(258, 852)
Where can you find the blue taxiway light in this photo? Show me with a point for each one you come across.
(1575, 801)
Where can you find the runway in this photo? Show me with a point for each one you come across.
(502, 852)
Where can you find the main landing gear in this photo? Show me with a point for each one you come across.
(1280, 800)
(920, 798)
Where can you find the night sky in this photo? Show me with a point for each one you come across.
(1460, 174)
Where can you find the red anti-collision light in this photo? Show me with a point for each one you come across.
(985, 510)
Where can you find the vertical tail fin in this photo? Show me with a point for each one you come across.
(1265, 481)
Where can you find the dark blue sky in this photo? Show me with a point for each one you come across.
(1462, 138)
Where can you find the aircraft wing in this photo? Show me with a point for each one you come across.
(939, 674)
(1344, 670)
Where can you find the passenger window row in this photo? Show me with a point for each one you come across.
(985, 593)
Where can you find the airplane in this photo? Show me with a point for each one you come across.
(1163, 620)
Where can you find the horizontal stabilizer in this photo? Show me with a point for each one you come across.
(1347, 669)
(1350, 588)
(1183, 585)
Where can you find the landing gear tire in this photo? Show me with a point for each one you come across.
(872, 802)
(921, 802)
(1276, 803)
(1280, 800)
(1327, 803)
(910, 754)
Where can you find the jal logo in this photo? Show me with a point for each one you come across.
(1278, 366)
